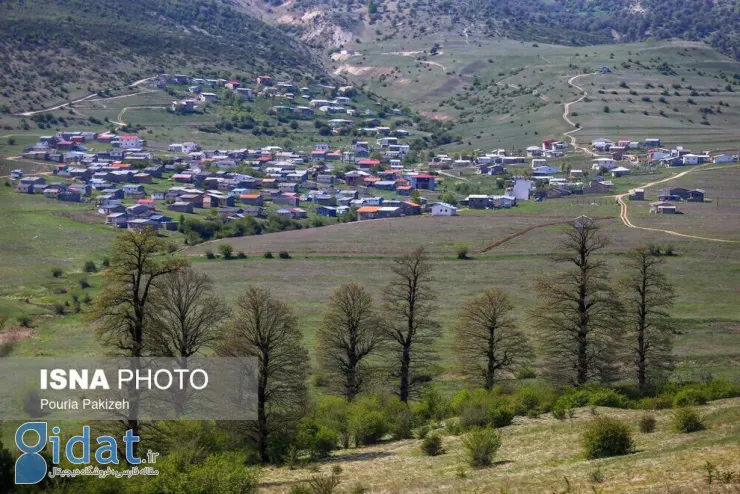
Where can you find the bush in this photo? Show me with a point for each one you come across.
(86, 299)
(461, 251)
(284, 255)
(59, 309)
(480, 446)
(367, 425)
(608, 398)
(483, 409)
(90, 267)
(210, 254)
(317, 440)
(720, 389)
(56, 272)
(268, 255)
(241, 255)
(605, 437)
(647, 424)
(526, 373)
(431, 405)
(402, 423)
(559, 412)
(689, 397)
(105, 263)
(24, 320)
(423, 431)
(226, 250)
(432, 445)
(534, 398)
(84, 283)
(686, 420)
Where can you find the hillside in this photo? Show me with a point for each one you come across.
(576, 22)
(57, 50)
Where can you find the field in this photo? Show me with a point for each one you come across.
(508, 94)
(537, 455)
(705, 312)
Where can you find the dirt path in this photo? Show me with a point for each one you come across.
(112, 98)
(119, 122)
(142, 81)
(447, 174)
(31, 113)
(438, 65)
(566, 113)
(623, 214)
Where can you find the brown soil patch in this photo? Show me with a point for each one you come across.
(15, 335)
(436, 115)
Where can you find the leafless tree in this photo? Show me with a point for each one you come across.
(349, 335)
(578, 318)
(409, 327)
(647, 294)
(265, 328)
(187, 314)
(487, 340)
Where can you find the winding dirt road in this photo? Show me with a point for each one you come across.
(566, 113)
(624, 210)
(58, 107)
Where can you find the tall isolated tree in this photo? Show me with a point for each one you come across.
(487, 340)
(409, 327)
(265, 328)
(350, 333)
(124, 310)
(647, 294)
(187, 314)
(578, 318)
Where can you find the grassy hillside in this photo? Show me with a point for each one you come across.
(58, 50)
(509, 94)
(543, 455)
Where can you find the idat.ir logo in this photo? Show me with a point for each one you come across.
(32, 437)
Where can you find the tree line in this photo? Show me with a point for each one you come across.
(153, 303)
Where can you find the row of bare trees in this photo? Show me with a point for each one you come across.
(155, 304)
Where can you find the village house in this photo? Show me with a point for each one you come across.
(638, 195)
(118, 219)
(128, 142)
(286, 199)
(596, 187)
(181, 207)
(31, 185)
(208, 97)
(696, 195)
(327, 211)
(141, 224)
(252, 199)
(663, 207)
(422, 181)
(478, 201)
(443, 209)
(212, 200)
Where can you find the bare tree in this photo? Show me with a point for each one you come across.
(265, 328)
(349, 334)
(647, 294)
(578, 318)
(486, 338)
(187, 314)
(409, 327)
(124, 309)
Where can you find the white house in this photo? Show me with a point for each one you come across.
(129, 142)
(723, 158)
(521, 190)
(537, 162)
(208, 97)
(322, 147)
(443, 209)
(185, 147)
(607, 163)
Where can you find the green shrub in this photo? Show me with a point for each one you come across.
(84, 284)
(367, 426)
(721, 389)
(483, 409)
(526, 373)
(317, 440)
(662, 402)
(605, 436)
(480, 446)
(105, 262)
(689, 397)
(560, 412)
(24, 320)
(423, 431)
(90, 267)
(241, 255)
(432, 445)
(685, 420)
(284, 255)
(453, 427)
(461, 251)
(402, 421)
(56, 272)
(596, 476)
(431, 405)
(268, 255)
(86, 299)
(533, 398)
(608, 398)
(226, 250)
(647, 424)
(210, 254)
